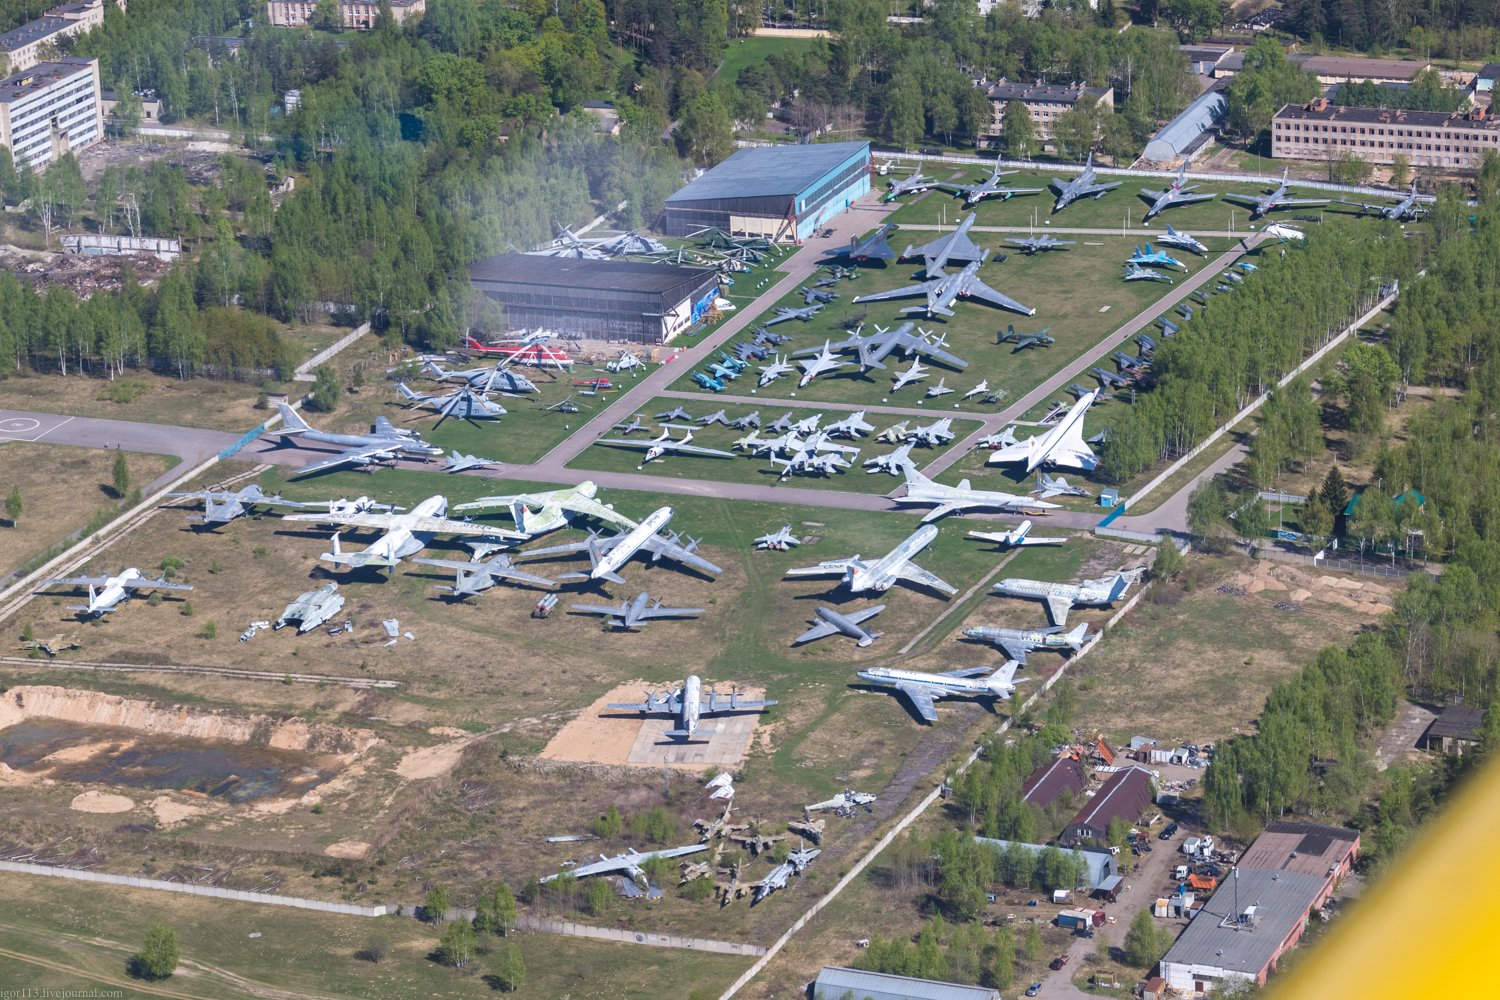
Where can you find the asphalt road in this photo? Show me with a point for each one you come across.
(190, 444)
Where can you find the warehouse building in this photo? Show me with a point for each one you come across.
(1127, 796)
(50, 109)
(1103, 868)
(1061, 775)
(1324, 131)
(1259, 912)
(1186, 134)
(597, 299)
(1043, 101)
(781, 193)
(837, 983)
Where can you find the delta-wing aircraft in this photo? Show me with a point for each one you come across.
(1062, 445)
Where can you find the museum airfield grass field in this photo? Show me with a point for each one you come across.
(1078, 295)
(486, 669)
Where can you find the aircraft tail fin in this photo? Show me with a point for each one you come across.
(291, 419)
(1079, 634)
(1121, 584)
(913, 475)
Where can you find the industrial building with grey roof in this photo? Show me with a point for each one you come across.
(837, 983)
(781, 193)
(1260, 911)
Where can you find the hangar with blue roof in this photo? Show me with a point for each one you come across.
(780, 193)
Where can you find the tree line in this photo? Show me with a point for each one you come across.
(1243, 343)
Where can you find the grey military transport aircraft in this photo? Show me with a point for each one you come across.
(385, 443)
(223, 506)
(632, 614)
(688, 704)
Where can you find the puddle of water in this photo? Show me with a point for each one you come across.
(133, 759)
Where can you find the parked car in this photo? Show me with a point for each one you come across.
(1033, 989)
(1059, 962)
(1168, 832)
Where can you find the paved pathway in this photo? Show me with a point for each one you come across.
(191, 444)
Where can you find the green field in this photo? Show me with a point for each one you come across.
(743, 52)
(757, 469)
(1074, 301)
(1123, 206)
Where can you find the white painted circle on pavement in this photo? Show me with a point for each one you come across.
(19, 425)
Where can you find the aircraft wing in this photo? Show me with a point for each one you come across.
(859, 616)
(1058, 608)
(77, 581)
(693, 449)
(660, 547)
(153, 584)
(617, 611)
(1151, 195)
(1013, 651)
(1243, 199)
(967, 671)
(593, 508)
(897, 293)
(1299, 202)
(912, 573)
(1094, 189)
(984, 293)
(921, 700)
(819, 631)
(1188, 199)
(626, 443)
(942, 510)
(935, 353)
(829, 567)
(360, 454)
(654, 612)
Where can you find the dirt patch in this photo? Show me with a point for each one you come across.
(352, 850)
(170, 812)
(96, 708)
(433, 762)
(452, 732)
(101, 802)
(600, 735)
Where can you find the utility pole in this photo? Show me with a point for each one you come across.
(666, 771)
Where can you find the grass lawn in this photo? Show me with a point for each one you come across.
(1123, 206)
(747, 468)
(61, 489)
(754, 50)
(1053, 283)
(80, 935)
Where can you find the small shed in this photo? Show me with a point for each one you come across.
(1455, 730)
(1110, 888)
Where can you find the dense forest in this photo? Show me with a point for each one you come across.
(1429, 30)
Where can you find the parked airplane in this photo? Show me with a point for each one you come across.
(1062, 597)
(941, 389)
(989, 187)
(223, 506)
(942, 290)
(852, 426)
(784, 313)
(893, 462)
(1025, 340)
(1404, 210)
(312, 608)
(917, 182)
(780, 540)
(828, 622)
(708, 382)
(385, 443)
(111, 589)
(1178, 192)
(876, 347)
(939, 432)
(628, 863)
(979, 390)
(554, 508)
(1039, 244)
(688, 704)
(666, 444)
(1017, 536)
(861, 575)
(457, 461)
(1017, 642)
(872, 247)
(405, 534)
(1047, 486)
(773, 371)
(630, 615)
(1284, 233)
(674, 414)
(607, 555)
(475, 576)
(467, 403)
(923, 689)
(716, 417)
(946, 249)
(1085, 185)
(902, 379)
(1062, 445)
(1134, 272)
(1275, 200)
(826, 361)
(1147, 257)
(1181, 240)
(947, 500)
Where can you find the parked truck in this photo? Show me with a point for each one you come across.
(1080, 920)
(1191, 845)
